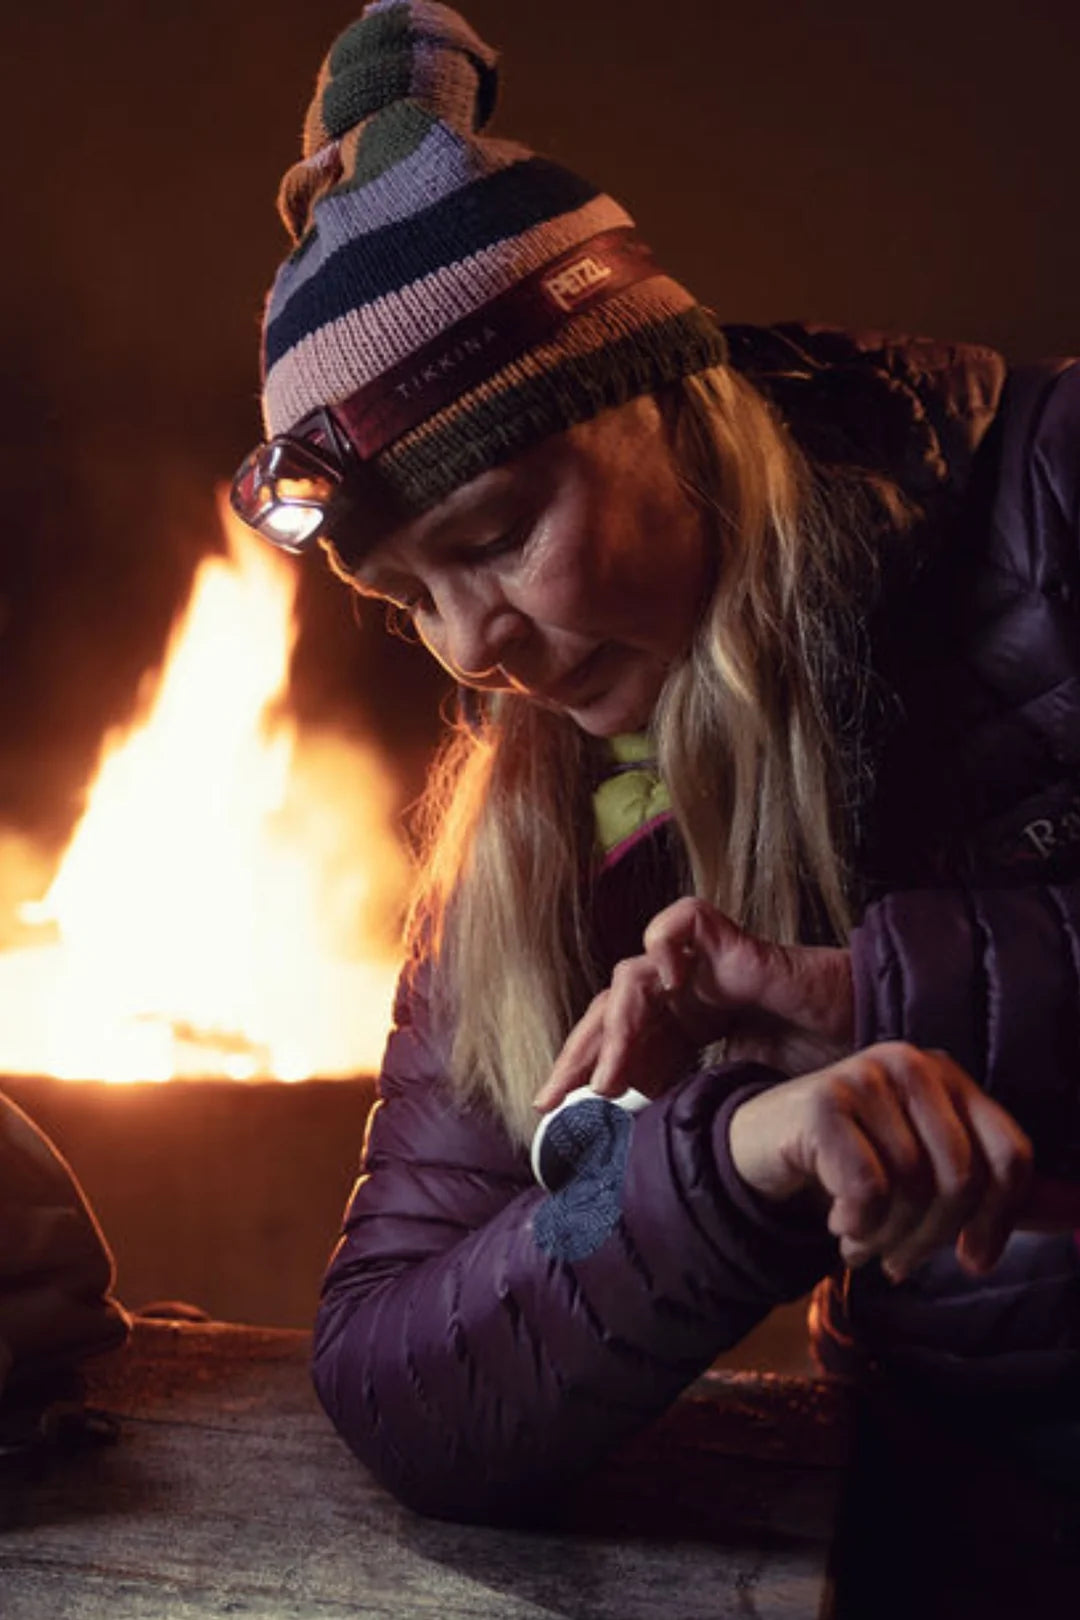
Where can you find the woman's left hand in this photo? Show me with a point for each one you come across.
(703, 979)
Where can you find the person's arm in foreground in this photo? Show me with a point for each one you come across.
(480, 1342)
(987, 975)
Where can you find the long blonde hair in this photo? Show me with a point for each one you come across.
(745, 740)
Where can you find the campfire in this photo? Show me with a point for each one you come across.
(229, 904)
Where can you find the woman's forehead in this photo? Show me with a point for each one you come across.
(592, 451)
(491, 489)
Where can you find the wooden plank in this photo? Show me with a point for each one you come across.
(229, 1494)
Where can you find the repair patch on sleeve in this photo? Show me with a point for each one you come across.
(584, 1155)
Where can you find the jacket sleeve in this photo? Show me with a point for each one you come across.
(480, 1343)
(992, 976)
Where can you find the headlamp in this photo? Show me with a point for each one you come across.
(286, 489)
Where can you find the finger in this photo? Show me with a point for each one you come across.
(636, 1006)
(1001, 1165)
(707, 966)
(1009, 1159)
(958, 1176)
(576, 1061)
(707, 962)
(864, 1093)
(846, 1164)
(673, 938)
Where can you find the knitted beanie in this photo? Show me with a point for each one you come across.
(456, 297)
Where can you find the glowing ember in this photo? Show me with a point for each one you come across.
(228, 903)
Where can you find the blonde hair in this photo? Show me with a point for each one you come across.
(744, 740)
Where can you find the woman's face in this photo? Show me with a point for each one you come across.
(574, 575)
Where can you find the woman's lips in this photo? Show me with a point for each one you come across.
(573, 686)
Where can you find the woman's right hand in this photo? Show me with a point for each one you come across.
(906, 1151)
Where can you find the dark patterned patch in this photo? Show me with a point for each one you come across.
(583, 1158)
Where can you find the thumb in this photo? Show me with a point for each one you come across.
(686, 944)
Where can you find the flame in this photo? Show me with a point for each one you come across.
(228, 903)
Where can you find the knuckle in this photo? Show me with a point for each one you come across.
(833, 1096)
(960, 1175)
(714, 927)
(846, 1087)
(761, 955)
(674, 919)
(841, 1093)
(957, 1185)
(890, 1051)
(864, 1184)
(626, 974)
(909, 1065)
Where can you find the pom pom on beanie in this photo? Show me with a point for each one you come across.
(421, 52)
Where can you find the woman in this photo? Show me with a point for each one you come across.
(770, 656)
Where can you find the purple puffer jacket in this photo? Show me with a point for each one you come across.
(481, 1342)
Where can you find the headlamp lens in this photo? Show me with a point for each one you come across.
(291, 527)
(284, 489)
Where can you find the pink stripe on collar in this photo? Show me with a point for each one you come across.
(625, 845)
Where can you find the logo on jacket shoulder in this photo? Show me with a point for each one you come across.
(1043, 834)
(1047, 836)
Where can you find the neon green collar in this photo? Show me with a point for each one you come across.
(632, 795)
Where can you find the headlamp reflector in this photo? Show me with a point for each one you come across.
(285, 487)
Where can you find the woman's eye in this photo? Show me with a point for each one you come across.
(502, 545)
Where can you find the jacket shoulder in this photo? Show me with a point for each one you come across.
(912, 408)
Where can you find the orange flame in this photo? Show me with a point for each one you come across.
(228, 902)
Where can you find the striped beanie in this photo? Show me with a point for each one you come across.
(455, 297)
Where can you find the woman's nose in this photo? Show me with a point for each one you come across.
(472, 632)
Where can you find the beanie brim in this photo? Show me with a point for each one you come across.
(651, 336)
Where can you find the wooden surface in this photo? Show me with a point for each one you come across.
(227, 1493)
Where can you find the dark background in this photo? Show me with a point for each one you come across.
(909, 166)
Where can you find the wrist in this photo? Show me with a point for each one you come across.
(766, 1170)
